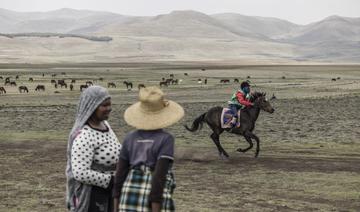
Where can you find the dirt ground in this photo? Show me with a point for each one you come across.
(309, 158)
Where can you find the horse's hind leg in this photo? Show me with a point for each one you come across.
(215, 137)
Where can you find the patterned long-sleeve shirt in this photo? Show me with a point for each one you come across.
(239, 98)
(93, 147)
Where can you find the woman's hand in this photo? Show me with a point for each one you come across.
(116, 205)
(155, 207)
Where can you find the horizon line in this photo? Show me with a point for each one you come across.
(259, 16)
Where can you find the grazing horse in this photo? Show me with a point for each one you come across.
(12, 83)
(236, 80)
(141, 86)
(248, 118)
(163, 83)
(61, 81)
(63, 84)
(83, 87)
(40, 88)
(111, 84)
(169, 81)
(128, 84)
(175, 82)
(89, 83)
(224, 81)
(2, 90)
(273, 97)
(23, 89)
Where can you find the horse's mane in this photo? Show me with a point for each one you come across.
(256, 95)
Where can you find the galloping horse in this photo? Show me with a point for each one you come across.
(248, 118)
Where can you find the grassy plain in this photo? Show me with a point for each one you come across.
(309, 158)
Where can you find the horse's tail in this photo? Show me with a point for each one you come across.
(197, 123)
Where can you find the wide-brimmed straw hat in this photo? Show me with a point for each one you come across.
(153, 111)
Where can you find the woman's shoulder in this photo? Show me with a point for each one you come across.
(84, 131)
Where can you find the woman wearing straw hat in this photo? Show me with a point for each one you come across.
(93, 151)
(143, 179)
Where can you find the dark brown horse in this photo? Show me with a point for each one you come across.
(128, 84)
(83, 87)
(23, 89)
(2, 90)
(40, 88)
(224, 81)
(248, 118)
(141, 86)
(163, 83)
(111, 84)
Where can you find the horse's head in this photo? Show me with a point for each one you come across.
(261, 101)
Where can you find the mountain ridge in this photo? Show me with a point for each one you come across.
(181, 35)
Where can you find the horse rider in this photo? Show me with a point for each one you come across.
(239, 100)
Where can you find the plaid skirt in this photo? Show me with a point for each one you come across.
(136, 190)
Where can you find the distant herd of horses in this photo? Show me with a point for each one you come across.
(165, 82)
(60, 83)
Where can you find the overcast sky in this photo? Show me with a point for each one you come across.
(296, 11)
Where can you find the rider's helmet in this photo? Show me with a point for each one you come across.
(245, 86)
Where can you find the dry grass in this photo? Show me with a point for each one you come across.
(309, 147)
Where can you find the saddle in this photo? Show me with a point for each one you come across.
(226, 118)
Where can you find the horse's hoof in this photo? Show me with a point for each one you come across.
(224, 157)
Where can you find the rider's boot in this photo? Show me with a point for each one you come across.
(233, 121)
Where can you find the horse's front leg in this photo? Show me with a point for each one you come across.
(248, 139)
(252, 135)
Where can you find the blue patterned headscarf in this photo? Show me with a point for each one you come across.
(89, 101)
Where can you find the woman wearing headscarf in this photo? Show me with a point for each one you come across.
(92, 153)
